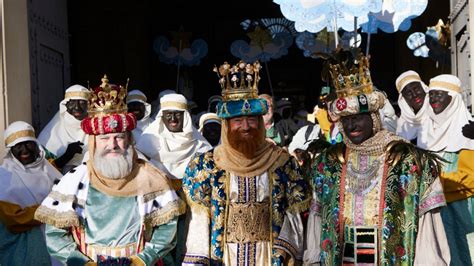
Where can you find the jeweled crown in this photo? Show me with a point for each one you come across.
(240, 81)
(352, 81)
(107, 98)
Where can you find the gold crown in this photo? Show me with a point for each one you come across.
(107, 98)
(353, 81)
(240, 81)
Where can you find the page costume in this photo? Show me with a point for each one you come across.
(22, 240)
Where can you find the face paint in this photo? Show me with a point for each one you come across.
(173, 120)
(414, 95)
(26, 152)
(439, 100)
(77, 108)
(212, 132)
(137, 108)
(358, 127)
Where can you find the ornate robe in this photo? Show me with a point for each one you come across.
(85, 223)
(238, 220)
(376, 209)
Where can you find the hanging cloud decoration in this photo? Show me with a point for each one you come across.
(274, 49)
(313, 45)
(315, 15)
(395, 15)
(316, 45)
(274, 25)
(347, 40)
(417, 42)
(189, 56)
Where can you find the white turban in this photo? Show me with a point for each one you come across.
(213, 99)
(173, 101)
(17, 132)
(173, 150)
(406, 78)
(208, 118)
(138, 96)
(444, 130)
(34, 180)
(64, 128)
(409, 125)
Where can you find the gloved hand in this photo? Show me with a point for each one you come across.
(74, 148)
(468, 130)
(71, 150)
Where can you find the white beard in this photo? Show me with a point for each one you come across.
(115, 167)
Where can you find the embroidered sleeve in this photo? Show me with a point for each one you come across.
(197, 188)
(297, 190)
(318, 175)
(196, 181)
(431, 191)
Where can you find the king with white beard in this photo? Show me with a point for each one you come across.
(115, 207)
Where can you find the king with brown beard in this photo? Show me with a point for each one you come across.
(114, 209)
(247, 194)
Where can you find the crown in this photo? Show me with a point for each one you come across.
(352, 81)
(240, 81)
(107, 98)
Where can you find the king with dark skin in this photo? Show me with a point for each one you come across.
(26, 152)
(78, 109)
(137, 108)
(358, 127)
(439, 100)
(414, 95)
(173, 120)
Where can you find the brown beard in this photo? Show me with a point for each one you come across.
(247, 145)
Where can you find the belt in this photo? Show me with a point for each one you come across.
(248, 222)
(123, 251)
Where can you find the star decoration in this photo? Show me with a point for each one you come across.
(259, 37)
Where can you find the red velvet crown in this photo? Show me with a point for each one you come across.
(107, 111)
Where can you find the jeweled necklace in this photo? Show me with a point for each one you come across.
(359, 181)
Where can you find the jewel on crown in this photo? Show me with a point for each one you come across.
(352, 81)
(239, 81)
(107, 98)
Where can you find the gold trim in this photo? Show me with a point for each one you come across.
(79, 94)
(300, 206)
(196, 207)
(151, 196)
(137, 261)
(61, 197)
(174, 104)
(165, 214)
(19, 134)
(136, 97)
(403, 80)
(56, 218)
(446, 85)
